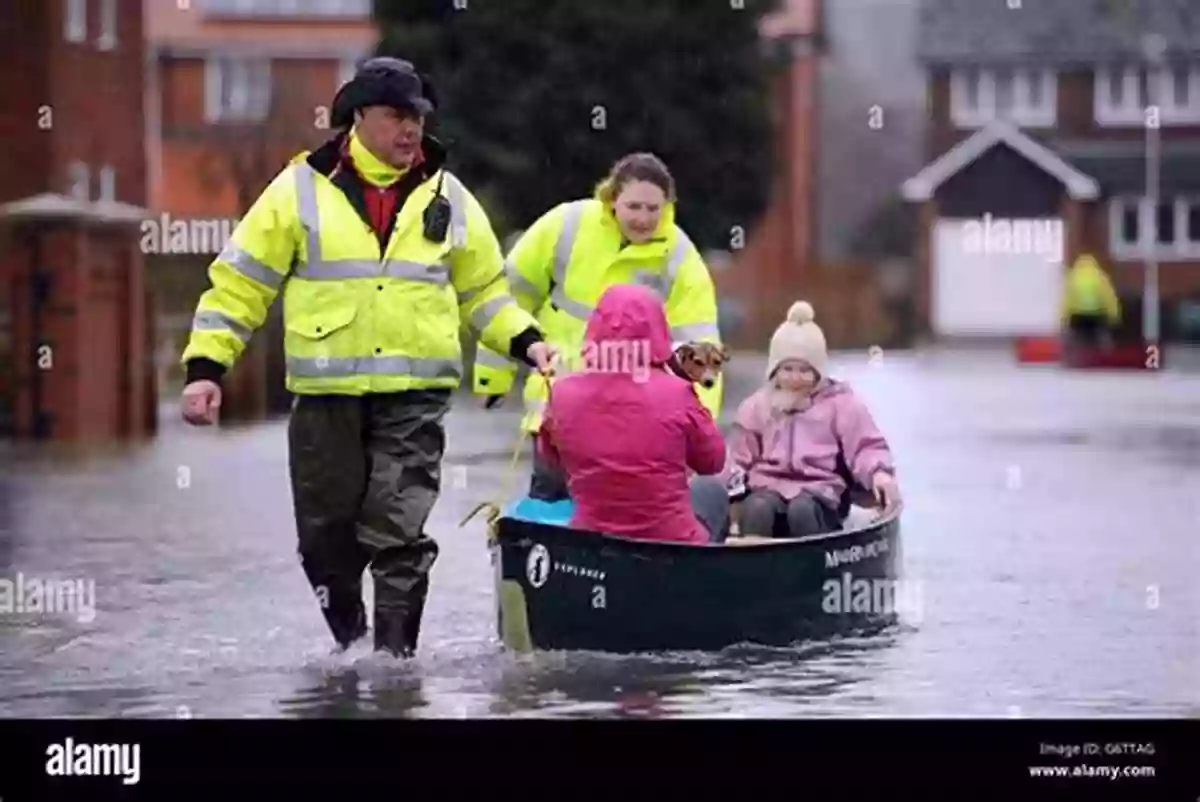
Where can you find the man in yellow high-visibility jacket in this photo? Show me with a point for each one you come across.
(381, 255)
(1091, 309)
(567, 259)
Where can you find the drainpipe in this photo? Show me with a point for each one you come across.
(1153, 47)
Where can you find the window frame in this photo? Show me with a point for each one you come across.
(983, 80)
(75, 20)
(247, 98)
(1135, 82)
(1181, 248)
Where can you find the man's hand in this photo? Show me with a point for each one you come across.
(201, 400)
(886, 491)
(543, 355)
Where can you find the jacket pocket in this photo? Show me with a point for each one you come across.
(316, 335)
(318, 324)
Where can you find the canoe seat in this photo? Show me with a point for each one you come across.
(747, 540)
(855, 519)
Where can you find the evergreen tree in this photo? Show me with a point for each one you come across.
(540, 97)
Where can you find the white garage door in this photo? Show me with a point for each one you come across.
(997, 277)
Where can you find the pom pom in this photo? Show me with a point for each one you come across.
(801, 313)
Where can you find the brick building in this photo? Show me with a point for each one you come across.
(72, 296)
(826, 235)
(235, 88)
(1037, 151)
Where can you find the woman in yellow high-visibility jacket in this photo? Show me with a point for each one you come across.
(625, 234)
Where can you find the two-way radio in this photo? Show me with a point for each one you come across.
(437, 214)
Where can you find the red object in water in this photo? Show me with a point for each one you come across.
(1039, 350)
(1126, 356)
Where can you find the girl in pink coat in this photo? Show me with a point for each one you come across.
(627, 432)
(787, 437)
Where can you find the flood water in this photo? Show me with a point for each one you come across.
(1052, 527)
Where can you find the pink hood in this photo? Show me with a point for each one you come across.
(626, 430)
(632, 315)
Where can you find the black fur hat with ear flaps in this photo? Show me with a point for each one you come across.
(383, 81)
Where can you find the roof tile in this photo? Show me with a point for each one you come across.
(1054, 31)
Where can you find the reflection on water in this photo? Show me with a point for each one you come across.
(712, 686)
(587, 685)
(355, 693)
(1050, 523)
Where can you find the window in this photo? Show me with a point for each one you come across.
(1128, 225)
(108, 25)
(1164, 223)
(1180, 87)
(1122, 95)
(80, 181)
(1003, 81)
(1179, 95)
(269, 8)
(237, 88)
(108, 182)
(75, 20)
(1174, 227)
(1026, 97)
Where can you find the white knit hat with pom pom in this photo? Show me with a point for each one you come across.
(798, 337)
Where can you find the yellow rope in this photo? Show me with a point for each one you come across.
(496, 508)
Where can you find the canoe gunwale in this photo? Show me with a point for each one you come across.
(509, 528)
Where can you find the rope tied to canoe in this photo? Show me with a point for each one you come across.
(495, 508)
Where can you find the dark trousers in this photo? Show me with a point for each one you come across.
(768, 514)
(1091, 329)
(365, 474)
(547, 482)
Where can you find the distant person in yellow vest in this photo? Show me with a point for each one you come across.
(380, 255)
(1091, 308)
(559, 268)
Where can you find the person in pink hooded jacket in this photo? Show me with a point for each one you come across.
(787, 438)
(626, 431)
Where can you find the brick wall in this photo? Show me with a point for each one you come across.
(68, 102)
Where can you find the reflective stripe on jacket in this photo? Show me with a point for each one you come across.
(561, 266)
(357, 321)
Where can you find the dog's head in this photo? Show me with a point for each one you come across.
(701, 362)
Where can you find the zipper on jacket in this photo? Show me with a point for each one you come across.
(791, 452)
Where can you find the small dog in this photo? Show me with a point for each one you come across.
(699, 362)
